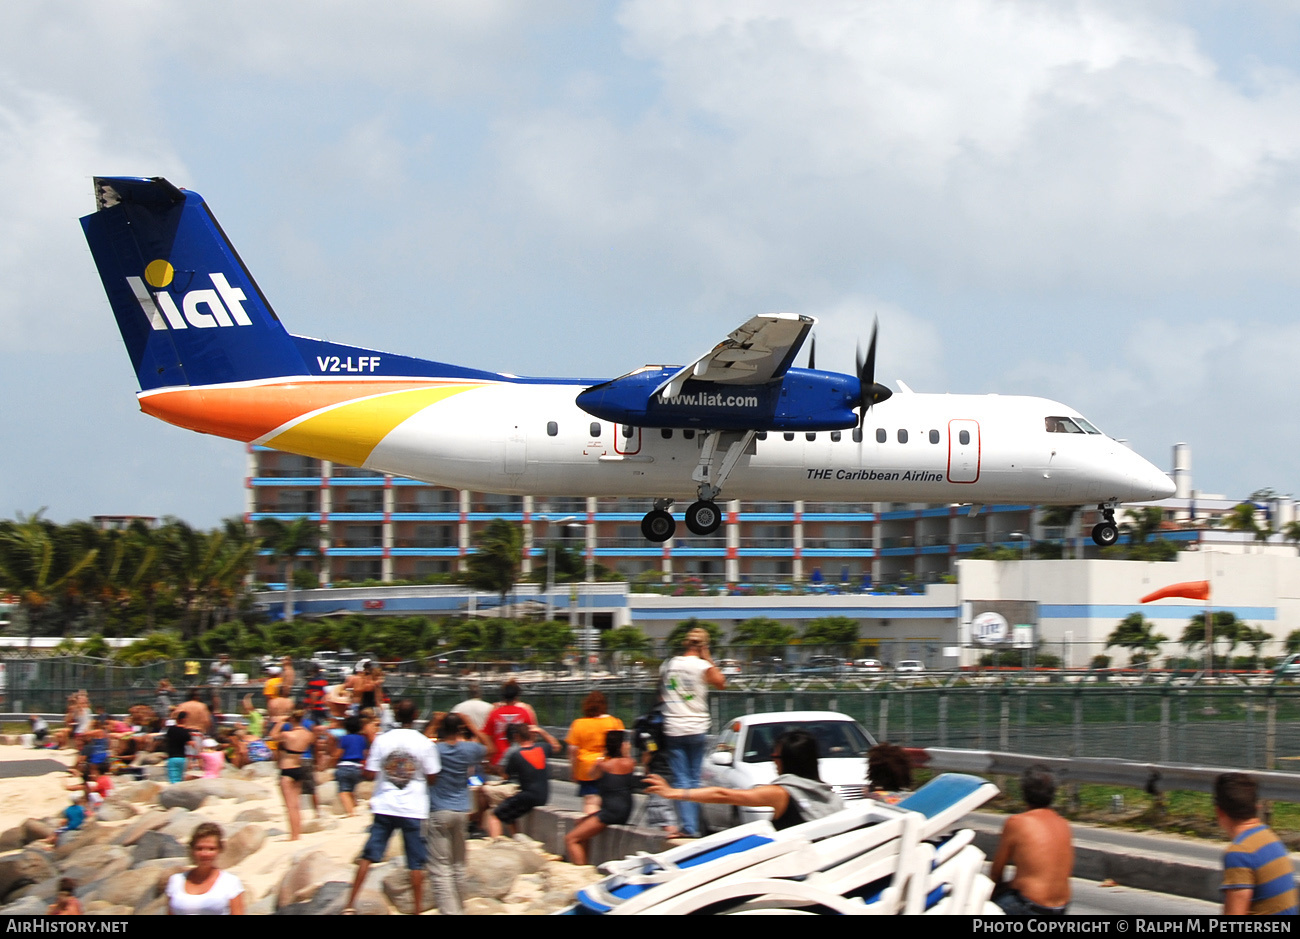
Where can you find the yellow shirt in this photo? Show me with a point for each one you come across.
(588, 735)
(272, 687)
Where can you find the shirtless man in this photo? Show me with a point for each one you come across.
(1037, 844)
(197, 715)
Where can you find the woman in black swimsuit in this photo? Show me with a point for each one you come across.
(797, 794)
(292, 742)
(615, 781)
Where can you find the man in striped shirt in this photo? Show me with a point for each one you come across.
(1258, 878)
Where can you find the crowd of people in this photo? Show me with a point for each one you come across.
(480, 768)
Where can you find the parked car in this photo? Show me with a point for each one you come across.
(742, 758)
(909, 666)
(867, 665)
(822, 665)
(729, 667)
(1289, 667)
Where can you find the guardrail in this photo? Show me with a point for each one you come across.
(1151, 777)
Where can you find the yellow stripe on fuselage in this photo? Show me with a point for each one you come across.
(348, 433)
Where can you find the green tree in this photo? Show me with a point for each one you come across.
(831, 631)
(1243, 517)
(1292, 642)
(1223, 626)
(763, 636)
(1254, 636)
(499, 552)
(624, 639)
(157, 647)
(39, 566)
(1136, 634)
(288, 543)
(1141, 523)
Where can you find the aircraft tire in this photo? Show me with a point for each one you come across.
(1105, 534)
(703, 517)
(658, 526)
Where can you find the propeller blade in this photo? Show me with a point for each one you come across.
(812, 352)
(871, 391)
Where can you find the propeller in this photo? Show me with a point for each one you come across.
(872, 391)
(812, 352)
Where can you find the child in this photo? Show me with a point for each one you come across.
(65, 904)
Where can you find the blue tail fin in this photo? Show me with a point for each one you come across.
(189, 311)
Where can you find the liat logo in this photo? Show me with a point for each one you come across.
(202, 309)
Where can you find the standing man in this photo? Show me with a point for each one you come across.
(509, 711)
(1037, 843)
(474, 709)
(685, 680)
(220, 674)
(1258, 878)
(193, 714)
(404, 762)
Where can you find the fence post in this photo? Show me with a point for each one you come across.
(943, 718)
(1270, 733)
(981, 697)
(1004, 725)
(1164, 726)
(884, 719)
(1076, 745)
(1250, 729)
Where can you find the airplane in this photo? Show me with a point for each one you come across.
(211, 355)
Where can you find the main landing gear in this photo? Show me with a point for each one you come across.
(703, 517)
(1105, 533)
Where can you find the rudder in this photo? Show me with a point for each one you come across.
(189, 311)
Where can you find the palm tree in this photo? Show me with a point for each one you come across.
(288, 543)
(498, 555)
(1243, 518)
(1136, 634)
(38, 566)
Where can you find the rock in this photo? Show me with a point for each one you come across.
(90, 833)
(96, 862)
(36, 830)
(153, 845)
(184, 795)
(255, 814)
(551, 902)
(130, 834)
(372, 903)
(144, 791)
(239, 845)
(313, 825)
(262, 770)
(115, 810)
(27, 906)
(365, 789)
(491, 871)
(12, 839)
(22, 868)
(46, 890)
(183, 825)
(127, 888)
(527, 888)
(104, 908)
(530, 853)
(568, 879)
(482, 906)
(305, 875)
(329, 900)
(155, 907)
(327, 793)
(397, 887)
(263, 907)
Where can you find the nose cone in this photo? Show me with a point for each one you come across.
(1149, 483)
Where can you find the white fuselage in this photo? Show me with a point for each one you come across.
(985, 449)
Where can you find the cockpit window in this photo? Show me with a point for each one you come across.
(1062, 425)
(1087, 428)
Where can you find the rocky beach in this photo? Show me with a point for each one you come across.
(121, 860)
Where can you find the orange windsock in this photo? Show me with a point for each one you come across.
(1192, 590)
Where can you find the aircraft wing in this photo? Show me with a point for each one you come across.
(754, 354)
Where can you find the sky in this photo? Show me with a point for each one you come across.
(1097, 202)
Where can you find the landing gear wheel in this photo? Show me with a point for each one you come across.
(658, 526)
(1105, 534)
(703, 517)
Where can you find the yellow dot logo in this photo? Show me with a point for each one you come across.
(158, 274)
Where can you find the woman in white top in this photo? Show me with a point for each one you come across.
(204, 889)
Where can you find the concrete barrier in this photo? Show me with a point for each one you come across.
(549, 826)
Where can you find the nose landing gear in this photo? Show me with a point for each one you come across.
(1105, 533)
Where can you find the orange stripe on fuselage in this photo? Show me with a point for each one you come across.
(247, 413)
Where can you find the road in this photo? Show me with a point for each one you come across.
(1089, 897)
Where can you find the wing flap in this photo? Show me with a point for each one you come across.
(757, 352)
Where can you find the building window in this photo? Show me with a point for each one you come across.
(902, 435)
(552, 428)
(595, 429)
(964, 437)
(934, 436)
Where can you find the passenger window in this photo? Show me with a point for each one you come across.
(835, 436)
(934, 436)
(627, 430)
(666, 433)
(857, 435)
(964, 438)
(902, 435)
(788, 435)
(688, 433)
(811, 436)
(761, 435)
(881, 435)
(552, 428)
(594, 429)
